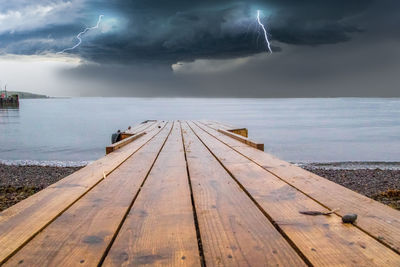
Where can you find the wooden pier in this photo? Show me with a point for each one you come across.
(196, 193)
(9, 101)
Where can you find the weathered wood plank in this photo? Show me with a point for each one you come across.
(124, 136)
(221, 125)
(243, 139)
(130, 135)
(230, 128)
(240, 131)
(83, 232)
(324, 240)
(21, 222)
(234, 232)
(160, 229)
(123, 142)
(379, 220)
(136, 129)
(141, 127)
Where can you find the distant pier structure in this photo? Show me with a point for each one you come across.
(8, 100)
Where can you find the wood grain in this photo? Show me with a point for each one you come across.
(227, 127)
(81, 235)
(242, 139)
(247, 204)
(21, 222)
(234, 232)
(123, 142)
(379, 220)
(324, 240)
(141, 127)
(160, 229)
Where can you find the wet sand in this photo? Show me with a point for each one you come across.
(19, 182)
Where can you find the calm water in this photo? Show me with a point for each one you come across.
(69, 131)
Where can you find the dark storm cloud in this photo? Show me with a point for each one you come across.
(369, 70)
(171, 31)
(213, 48)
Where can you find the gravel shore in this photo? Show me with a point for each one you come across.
(381, 185)
(19, 182)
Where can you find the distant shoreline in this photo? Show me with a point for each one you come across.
(27, 95)
(226, 98)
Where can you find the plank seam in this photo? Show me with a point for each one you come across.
(272, 221)
(283, 180)
(61, 212)
(142, 126)
(196, 222)
(148, 126)
(132, 202)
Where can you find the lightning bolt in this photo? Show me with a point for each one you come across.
(80, 34)
(265, 32)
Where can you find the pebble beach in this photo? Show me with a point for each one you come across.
(20, 182)
(378, 184)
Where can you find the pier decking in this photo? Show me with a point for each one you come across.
(193, 193)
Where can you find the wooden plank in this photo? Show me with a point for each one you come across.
(160, 229)
(240, 131)
(19, 223)
(123, 142)
(130, 135)
(141, 127)
(83, 232)
(224, 126)
(234, 232)
(379, 220)
(125, 135)
(324, 240)
(221, 125)
(242, 139)
(136, 129)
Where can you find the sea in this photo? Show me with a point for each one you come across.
(347, 133)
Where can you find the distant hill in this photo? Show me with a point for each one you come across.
(25, 95)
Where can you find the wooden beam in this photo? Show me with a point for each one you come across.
(240, 131)
(123, 142)
(224, 126)
(242, 139)
(126, 135)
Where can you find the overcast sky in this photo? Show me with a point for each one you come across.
(321, 48)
